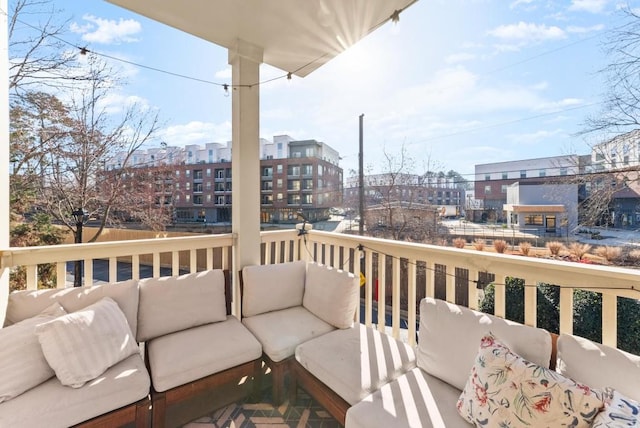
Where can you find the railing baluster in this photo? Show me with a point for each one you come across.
(473, 289)
(193, 260)
(175, 263)
(500, 295)
(609, 320)
(566, 310)
(88, 272)
(61, 274)
(113, 269)
(156, 265)
(32, 277)
(382, 291)
(395, 313)
(411, 292)
(450, 280)
(267, 253)
(135, 266)
(368, 298)
(530, 302)
(209, 258)
(430, 289)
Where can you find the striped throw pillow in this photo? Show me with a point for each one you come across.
(23, 364)
(81, 345)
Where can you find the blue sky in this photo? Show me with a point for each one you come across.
(457, 82)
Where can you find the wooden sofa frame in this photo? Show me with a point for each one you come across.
(161, 402)
(137, 414)
(334, 404)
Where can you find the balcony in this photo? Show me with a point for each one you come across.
(412, 271)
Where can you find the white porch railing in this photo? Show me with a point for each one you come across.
(407, 271)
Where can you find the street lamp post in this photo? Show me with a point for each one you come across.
(79, 216)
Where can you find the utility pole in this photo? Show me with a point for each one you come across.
(361, 177)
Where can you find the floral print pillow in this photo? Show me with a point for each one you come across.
(619, 411)
(505, 390)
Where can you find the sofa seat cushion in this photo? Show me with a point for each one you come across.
(449, 335)
(599, 366)
(188, 355)
(355, 362)
(415, 399)
(280, 332)
(52, 404)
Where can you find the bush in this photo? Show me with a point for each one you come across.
(459, 242)
(579, 250)
(500, 245)
(634, 254)
(525, 247)
(609, 253)
(479, 244)
(555, 247)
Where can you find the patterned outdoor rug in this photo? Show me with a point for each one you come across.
(306, 413)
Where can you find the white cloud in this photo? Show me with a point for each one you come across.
(535, 137)
(524, 31)
(115, 103)
(592, 6)
(459, 57)
(559, 105)
(223, 74)
(107, 31)
(196, 132)
(584, 30)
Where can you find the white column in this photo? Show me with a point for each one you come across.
(245, 62)
(4, 153)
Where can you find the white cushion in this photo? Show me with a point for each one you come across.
(28, 303)
(449, 335)
(415, 399)
(176, 303)
(53, 405)
(23, 363)
(80, 346)
(355, 362)
(505, 390)
(619, 411)
(598, 365)
(185, 356)
(281, 331)
(267, 288)
(331, 294)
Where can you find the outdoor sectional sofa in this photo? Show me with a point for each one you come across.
(470, 368)
(71, 357)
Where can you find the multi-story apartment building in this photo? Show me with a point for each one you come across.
(493, 179)
(418, 189)
(294, 176)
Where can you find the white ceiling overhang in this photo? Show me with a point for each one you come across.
(296, 36)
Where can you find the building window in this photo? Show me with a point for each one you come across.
(279, 197)
(279, 183)
(523, 173)
(487, 177)
(187, 173)
(293, 199)
(208, 172)
(503, 188)
(563, 170)
(504, 176)
(320, 170)
(307, 169)
(293, 185)
(307, 199)
(267, 171)
(219, 173)
(534, 220)
(487, 190)
(187, 185)
(542, 173)
(279, 168)
(187, 198)
(293, 170)
(177, 173)
(219, 200)
(208, 198)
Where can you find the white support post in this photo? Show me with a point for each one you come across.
(245, 62)
(4, 154)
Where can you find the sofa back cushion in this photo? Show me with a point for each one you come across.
(267, 288)
(28, 303)
(598, 365)
(449, 336)
(331, 294)
(175, 303)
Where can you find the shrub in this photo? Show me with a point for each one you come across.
(555, 247)
(609, 253)
(579, 250)
(500, 245)
(634, 254)
(525, 247)
(479, 244)
(459, 242)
